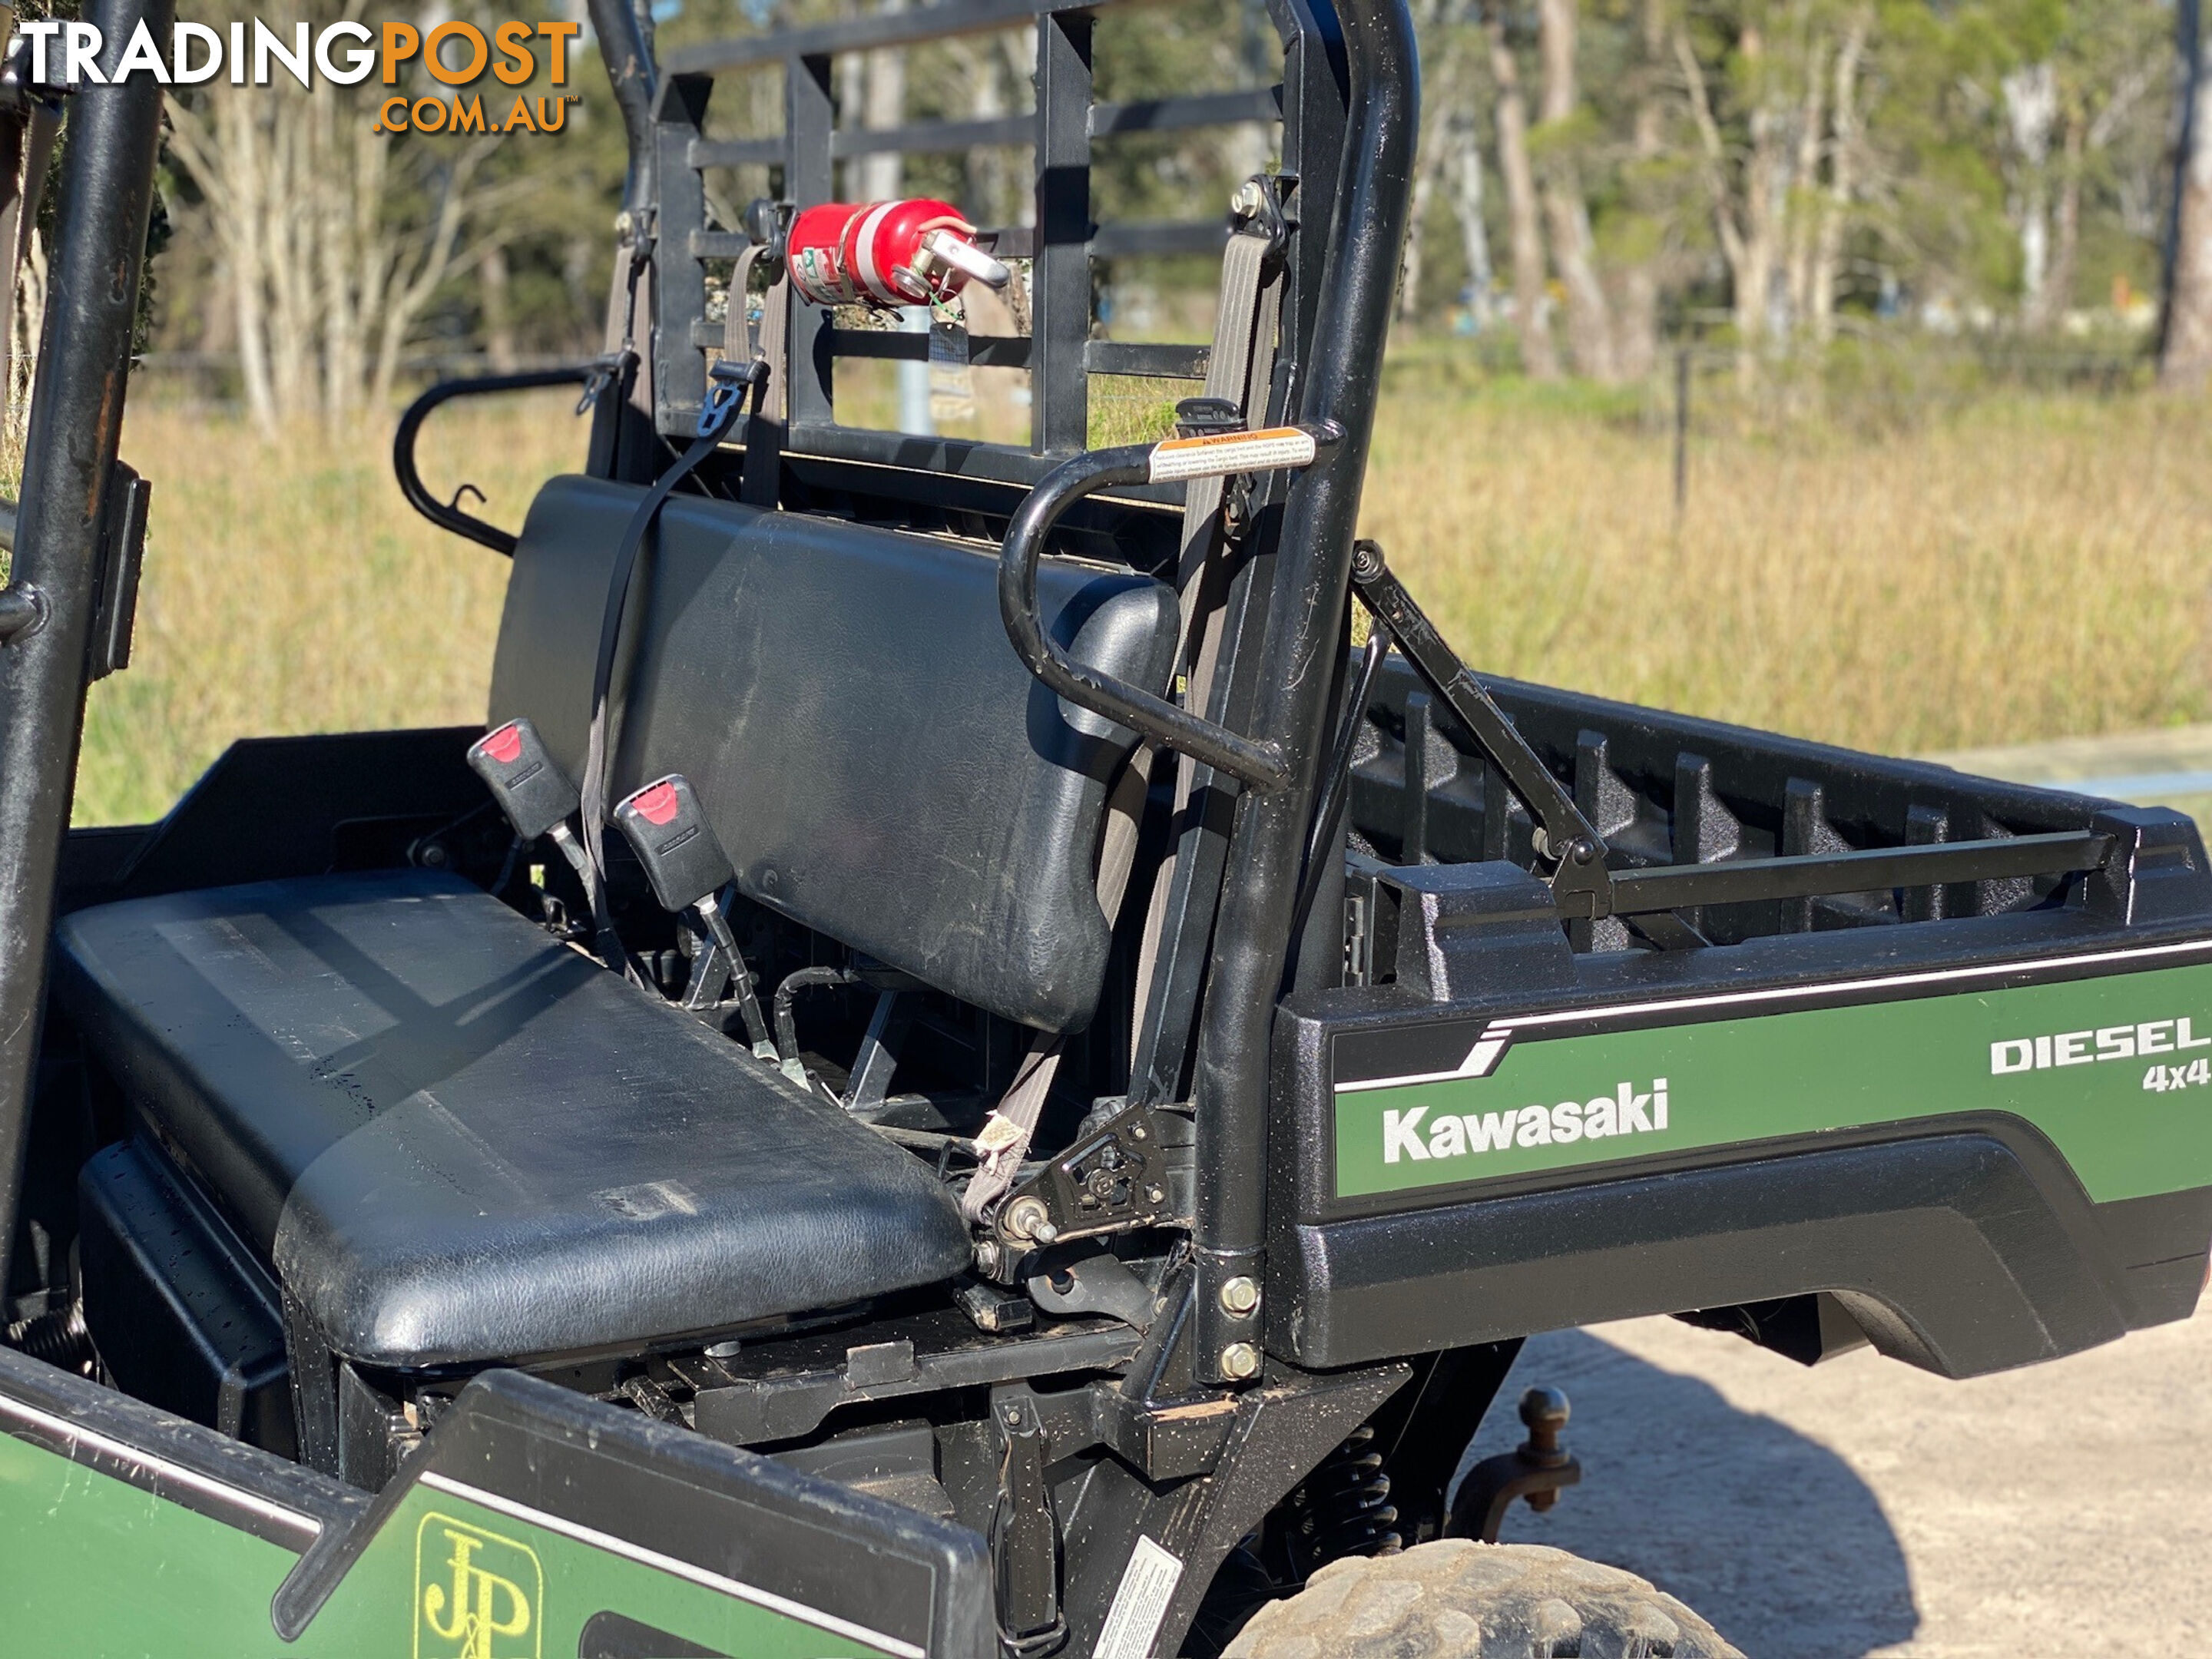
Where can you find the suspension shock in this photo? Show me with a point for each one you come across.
(59, 1338)
(1343, 1508)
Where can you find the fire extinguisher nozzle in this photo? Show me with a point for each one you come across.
(964, 256)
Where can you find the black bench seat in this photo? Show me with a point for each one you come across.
(460, 1141)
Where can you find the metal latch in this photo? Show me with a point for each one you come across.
(122, 551)
(1110, 1181)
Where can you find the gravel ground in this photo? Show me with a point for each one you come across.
(1865, 1508)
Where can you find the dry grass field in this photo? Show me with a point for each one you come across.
(2015, 569)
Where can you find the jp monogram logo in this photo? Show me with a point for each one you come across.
(476, 1595)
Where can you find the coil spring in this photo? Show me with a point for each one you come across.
(1344, 1508)
(58, 1338)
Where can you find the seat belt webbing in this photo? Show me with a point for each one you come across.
(1242, 369)
(621, 580)
(1239, 370)
(1005, 1135)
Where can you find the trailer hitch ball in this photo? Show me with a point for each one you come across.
(1538, 1470)
(1544, 1410)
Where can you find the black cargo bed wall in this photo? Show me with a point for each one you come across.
(1666, 789)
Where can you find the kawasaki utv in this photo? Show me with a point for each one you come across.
(962, 1067)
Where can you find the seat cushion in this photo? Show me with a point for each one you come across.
(876, 760)
(460, 1140)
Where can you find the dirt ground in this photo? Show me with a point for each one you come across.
(1863, 1508)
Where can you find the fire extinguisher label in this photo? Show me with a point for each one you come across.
(1221, 452)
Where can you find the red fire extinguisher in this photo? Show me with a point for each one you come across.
(887, 254)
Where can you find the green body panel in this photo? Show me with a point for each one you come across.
(93, 1568)
(2073, 1059)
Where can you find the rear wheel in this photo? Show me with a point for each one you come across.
(1456, 1599)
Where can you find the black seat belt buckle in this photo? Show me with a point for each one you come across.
(533, 792)
(687, 866)
(1207, 417)
(681, 858)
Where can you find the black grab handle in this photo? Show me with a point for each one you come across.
(1261, 765)
(447, 516)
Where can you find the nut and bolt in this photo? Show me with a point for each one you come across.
(1028, 1218)
(1239, 1295)
(1240, 1360)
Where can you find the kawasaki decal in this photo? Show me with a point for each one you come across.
(2109, 1068)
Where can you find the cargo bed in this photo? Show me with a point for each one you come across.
(1975, 1113)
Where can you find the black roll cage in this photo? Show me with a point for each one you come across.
(1348, 99)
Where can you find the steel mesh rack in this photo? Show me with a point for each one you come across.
(1061, 243)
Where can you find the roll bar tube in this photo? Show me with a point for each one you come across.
(70, 476)
(447, 516)
(1299, 671)
(626, 48)
(1261, 765)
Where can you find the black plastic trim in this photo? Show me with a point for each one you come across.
(646, 1488)
(1962, 1252)
(182, 1462)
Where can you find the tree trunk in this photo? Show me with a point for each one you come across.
(2186, 360)
(325, 265)
(1635, 327)
(1444, 76)
(1538, 359)
(1426, 169)
(984, 189)
(1566, 213)
(2031, 102)
(1763, 207)
(242, 185)
(1467, 207)
(492, 277)
(883, 106)
(1803, 182)
(1842, 180)
(2057, 295)
(1748, 235)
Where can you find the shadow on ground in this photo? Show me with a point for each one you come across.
(1767, 1534)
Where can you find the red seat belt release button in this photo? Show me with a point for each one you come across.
(664, 823)
(535, 793)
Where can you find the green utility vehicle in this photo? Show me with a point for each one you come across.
(963, 1066)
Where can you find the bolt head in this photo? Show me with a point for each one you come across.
(1239, 1361)
(1247, 200)
(1239, 1295)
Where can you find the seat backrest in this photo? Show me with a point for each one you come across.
(877, 761)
